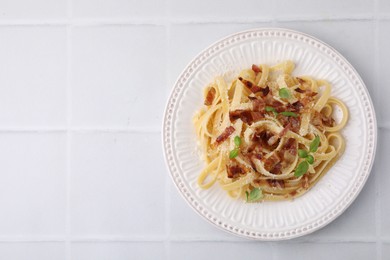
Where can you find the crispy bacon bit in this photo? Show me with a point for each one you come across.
(299, 90)
(258, 104)
(234, 171)
(246, 116)
(311, 93)
(305, 183)
(290, 146)
(301, 81)
(276, 183)
(210, 97)
(255, 89)
(263, 138)
(225, 135)
(277, 169)
(293, 193)
(296, 106)
(285, 130)
(256, 69)
(295, 123)
(247, 83)
(264, 91)
(319, 120)
(271, 162)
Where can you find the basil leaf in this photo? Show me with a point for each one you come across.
(301, 169)
(237, 141)
(284, 93)
(289, 113)
(255, 195)
(302, 153)
(233, 153)
(270, 109)
(310, 159)
(314, 144)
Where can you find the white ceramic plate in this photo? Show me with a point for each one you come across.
(270, 220)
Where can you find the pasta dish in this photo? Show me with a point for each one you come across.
(268, 135)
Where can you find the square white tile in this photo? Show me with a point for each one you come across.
(117, 185)
(187, 40)
(32, 251)
(221, 250)
(324, 251)
(383, 81)
(357, 43)
(118, 76)
(383, 7)
(33, 184)
(315, 9)
(185, 223)
(119, 8)
(33, 76)
(118, 250)
(37, 9)
(219, 9)
(382, 166)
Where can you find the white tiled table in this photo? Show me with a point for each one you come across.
(83, 85)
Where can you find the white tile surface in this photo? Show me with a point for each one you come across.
(118, 251)
(32, 186)
(118, 8)
(187, 40)
(382, 166)
(28, 251)
(118, 76)
(384, 63)
(323, 9)
(325, 251)
(220, 9)
(117, 185)
(37, 97)
(83, 85)
(37, 9)
(220, 250)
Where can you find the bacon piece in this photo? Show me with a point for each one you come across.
(299, 90)
(319, 120)
(247, 83)
(264, 91)
(295, 107)
(255, 89)
(276, 183)
(290, 146)
(265, 138)
(246, 116)
(295, 123)
(257, 104)
(277, 169)
(225, 135)
(311, 93)
(256, 69)
(234, 171)
(210, 97)
(271, 162)
(285, 130)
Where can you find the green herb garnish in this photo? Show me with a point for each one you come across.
(233, 153)
(255, 195)
(237, 141)
(284, 93)
(289, 113)
(314, 144)
(310, 159)
(301, 169)
(271, 109)
(302, 153)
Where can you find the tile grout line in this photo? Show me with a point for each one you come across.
(164, 22)
(167, 241)
(68, 246)
(377, 182)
